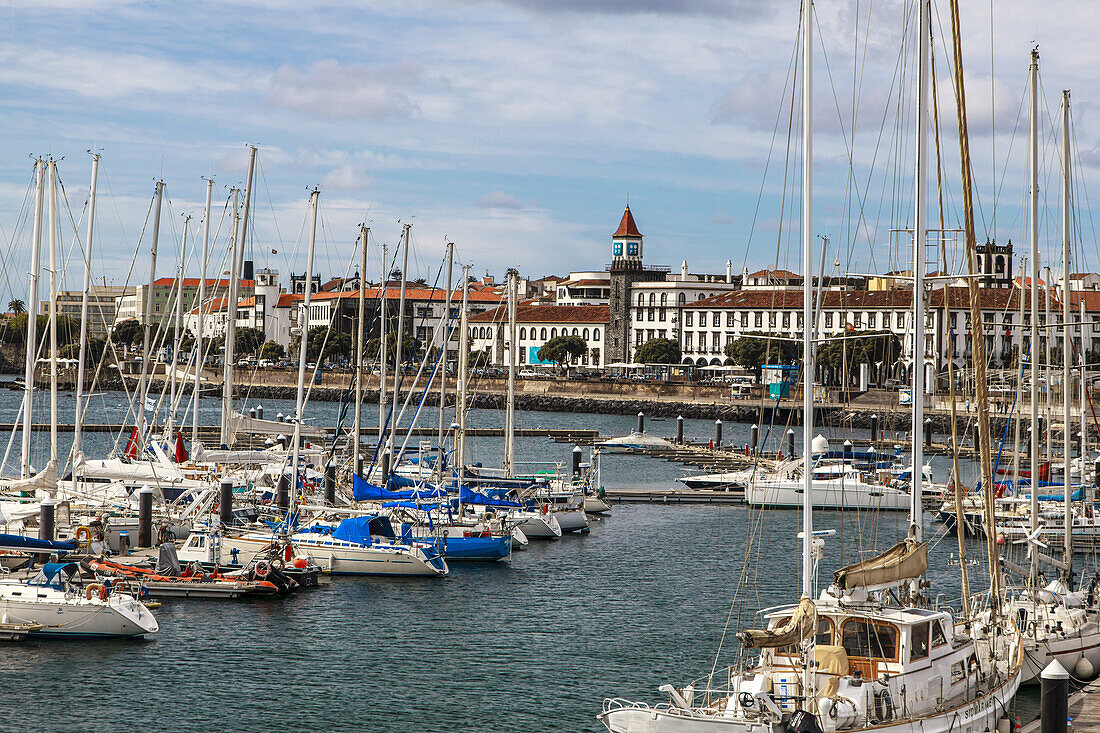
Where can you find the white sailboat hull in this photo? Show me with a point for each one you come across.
(832, 494)
(541, 527)
(346, 559)
(596, 505)
(71, 615)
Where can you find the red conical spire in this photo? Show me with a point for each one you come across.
(627, 227)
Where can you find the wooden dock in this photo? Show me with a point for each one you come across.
(674, 496)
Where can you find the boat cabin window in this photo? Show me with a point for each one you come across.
(918, 642)
(938, 637)
(869, 639)
(824, 636)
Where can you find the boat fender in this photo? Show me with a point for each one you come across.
(263, 569)
(545, 509)
(1083, 669)
(95, 588)
(289, 553)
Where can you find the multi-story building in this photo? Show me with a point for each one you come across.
(132, 305)
(102, 307)
(537, 324)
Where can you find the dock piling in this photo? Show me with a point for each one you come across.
(46, 520)
(225, 502)
(1054, 698)
(145, 517)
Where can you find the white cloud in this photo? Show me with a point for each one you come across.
(346, 177)
(499, 200)
(329, 88)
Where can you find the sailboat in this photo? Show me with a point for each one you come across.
(850, 660)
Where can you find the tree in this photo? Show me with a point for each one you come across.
(478, 359)
(658, 351)
(753, 352)
(96, 347)
(325, 343)
(128, 332)
(248, 340)
(859, 348)
(68, 330)
(563, 349)
(272, 351)
(17, 306)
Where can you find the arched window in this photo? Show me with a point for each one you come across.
(523, 334)
(681, 298)
(664, 299)
(641, 299)
(543, 334)
(585, 334)
(576, 332)
(595, 334)
(553, 333)
(652, 298)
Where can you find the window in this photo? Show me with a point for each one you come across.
(664, 299)
(828, 320)
(652, 299)
(703, 341)
(871, 320)
(576, 332)
(869, 639)
(652, 313)
(758, 319)
(523, 334)
(771, 319)
(729, 319)
(638, 338)
(786, 319)
(918, 643)
(716, 319)
(938, 638)
(595, 334)
(585, 334)
(544, 334)
(681, 298)
(553, 333)
(824, 636)
(688, 318)
(641, 300)
(687, 342)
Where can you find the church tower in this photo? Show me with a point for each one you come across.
(626, 268)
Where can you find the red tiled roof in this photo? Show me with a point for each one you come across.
(419, 293)
(547, 314)
(193, 282)
(214, 306)
(627, 227)
(777, 274)
(287, 299)
(246, 303)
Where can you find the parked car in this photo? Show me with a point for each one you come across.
(265, 364)
(528, 374)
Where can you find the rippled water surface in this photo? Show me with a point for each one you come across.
(531, 644)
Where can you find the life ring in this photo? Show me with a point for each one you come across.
(83, 536)
(263, 569)
(93, 588)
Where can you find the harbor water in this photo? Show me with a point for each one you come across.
(652, 595)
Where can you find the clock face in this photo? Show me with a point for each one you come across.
(617, 249)
(632, 249)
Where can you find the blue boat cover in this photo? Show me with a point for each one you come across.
(489, 497)
(363, 490)
(18, 542)
(53, 574)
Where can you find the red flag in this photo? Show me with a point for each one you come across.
(181, 452)
(132, 444)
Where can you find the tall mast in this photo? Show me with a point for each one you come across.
(197, 350)
(1081, 397)
(230, 327)
(78, 418)
(920, 242)
(383, 347)
(463, 377)
(179, 329)
(356, 460)
(808, 325)
(1033, 167)
(1067, 344)
(32, 314)
(53, 311)
(399, 358)
(146, 349)
(302, 352)
(444, 332)
(510, 405)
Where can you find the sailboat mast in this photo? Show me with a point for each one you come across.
(444, 332)
(230, 355)
(78, 418)
(1067, 344)
(1033, 169)
(303, 325)
(199, 321)
(32, 314)
(383, 353)
(399, 351)
(920, 242)
(510, 405)
(463, 377)
(53, 311)
(179, 329)
(146, 349)
(356, 460)
(807, 302)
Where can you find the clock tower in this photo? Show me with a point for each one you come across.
(626, 269)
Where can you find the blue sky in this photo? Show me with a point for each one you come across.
(516, 128)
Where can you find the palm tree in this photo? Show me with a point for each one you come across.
(17, 307)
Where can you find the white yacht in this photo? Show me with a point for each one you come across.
(59, 604)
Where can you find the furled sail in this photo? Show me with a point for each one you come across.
(799, 627)
(906, 560)
(45, 480)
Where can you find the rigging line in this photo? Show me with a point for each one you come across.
(20, 222)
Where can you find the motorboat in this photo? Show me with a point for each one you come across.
(834, 486)
(634, 441)
(60, 604)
